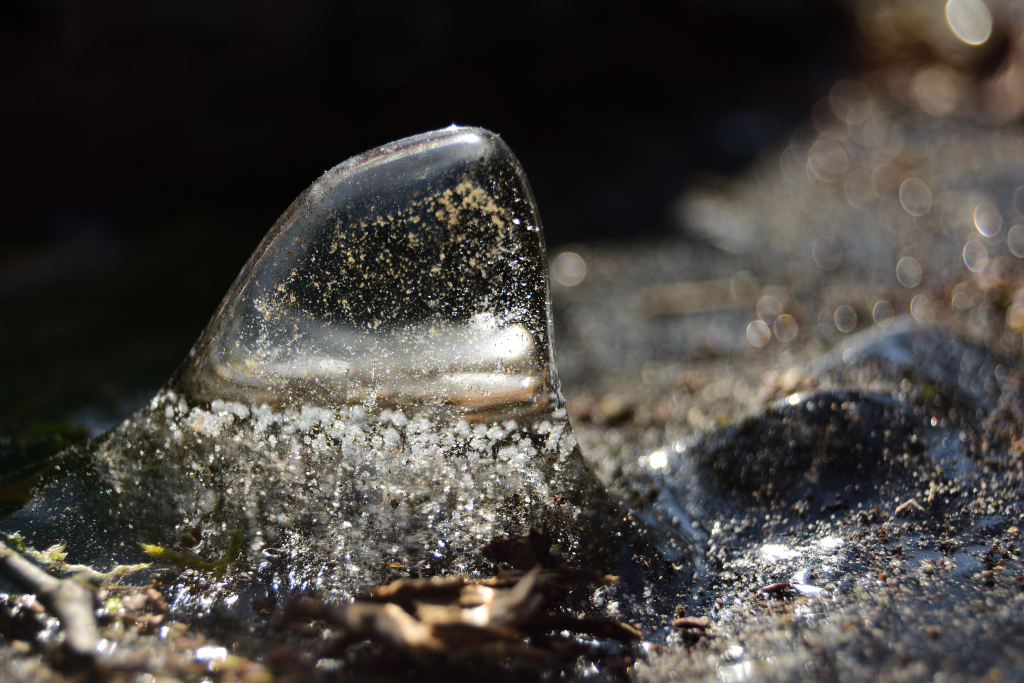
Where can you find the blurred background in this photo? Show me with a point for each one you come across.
(150, 146)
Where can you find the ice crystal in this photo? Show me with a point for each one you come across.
(375, 397)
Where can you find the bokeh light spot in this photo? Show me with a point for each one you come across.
(970, 20)
(569, 268)
(987, 219)
(758, 334)
(845, 318)
(883, 137)
(1015, 317)
(744, 286)
(908, 272)
(793, 164)
(827, 253)
(921, 308)
(939, 89)
(827, 160)
(769, 308)
(857, 187)
(975, 256)
(1018, 199)
(961, 301)
(915, 197)
(1015, 241)
(882, 313)
(786, 328)
(851, 102)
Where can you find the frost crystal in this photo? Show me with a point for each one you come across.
(375, 397)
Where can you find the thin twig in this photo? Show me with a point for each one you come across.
(66, 599)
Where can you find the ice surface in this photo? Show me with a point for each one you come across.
(414, 273)
(375, 397)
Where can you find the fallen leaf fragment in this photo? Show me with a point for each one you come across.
(692, 623)
(486, 621)
(908, 506)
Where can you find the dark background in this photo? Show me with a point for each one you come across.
(149, 146)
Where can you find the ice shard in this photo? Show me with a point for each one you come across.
(376, 396)
(413, 275)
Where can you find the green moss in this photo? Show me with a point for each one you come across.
(189, 560)
(53, 559)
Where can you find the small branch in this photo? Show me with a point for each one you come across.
(66, 599)
(386, 623)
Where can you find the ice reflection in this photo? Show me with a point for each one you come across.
(356, 302)
(475, 365)
(799, 582)
(737, 672)
(775, 551)
(830, 542)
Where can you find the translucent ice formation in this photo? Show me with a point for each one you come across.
(375, 397)
(413, 274)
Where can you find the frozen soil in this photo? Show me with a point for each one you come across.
(853, 497)
(852, 494)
